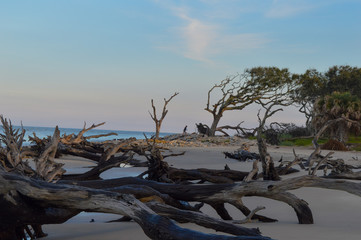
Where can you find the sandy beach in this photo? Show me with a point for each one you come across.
(336, 213)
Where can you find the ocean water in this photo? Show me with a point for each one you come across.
(42, 132)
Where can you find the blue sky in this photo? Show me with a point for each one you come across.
(70, 61)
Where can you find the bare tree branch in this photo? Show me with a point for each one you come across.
(158, 121)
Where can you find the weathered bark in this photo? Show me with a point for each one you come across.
(203, 129)
(279, 98)
(315, 154)
(242, 155)
(201, 219)
(203, 174)
(101, 167)
(145, 194)
(45, 166)
(64, 149)
(223, 193)
(159, 170)
(77, 145)
(157, 167)
(158, 122)
(106, 160)
(282, 170)
(268, 169)
(338, 166)
(252, 174)
(238, 203)
(239, 91)
(351, 176)
(321, 161)
(79, 138)
(96, 151)
(55, 203)
(237, 128)
(13, 141)
(230, 193)
(43, 195)
(215, 122)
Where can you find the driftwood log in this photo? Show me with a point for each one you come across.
(39, 198)
(151, 202)
(339, 170)
(55, 203)
(242, 155)
(79, 138)
(232, 193)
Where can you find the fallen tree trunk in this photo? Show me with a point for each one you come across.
(242, 155)
(203, 174)
(351, 176)
(22, 198)
(201, 219)
(77, 139)
(232, 193)
(17, 189)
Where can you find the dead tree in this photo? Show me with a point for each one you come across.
(285, 166)
(107, 199)
(73, 144)
(345, 175)
(158, 122)
(238, 128)
(241, 90)
(77, 139)
(149, 203)
(157, 167)
(339, 170)
(160, 171)
(280, 98)
(13, 139)
(45, 164)
(236, 95)
(43, 195)
(203, 128)
(219, 194)
(45, 168)
(316, 153)
(62, 202)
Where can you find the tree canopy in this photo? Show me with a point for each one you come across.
(239, 91)
(334, 106)
(313, 85)
(343, 79)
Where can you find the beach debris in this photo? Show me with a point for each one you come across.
(79, 138)
(162, 194)
(242, 155)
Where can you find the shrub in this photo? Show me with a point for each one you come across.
(333, 144)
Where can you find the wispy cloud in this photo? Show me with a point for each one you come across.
(200, 40)
(284, 9)
(197, 37)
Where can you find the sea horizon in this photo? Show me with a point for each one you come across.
(42, 132)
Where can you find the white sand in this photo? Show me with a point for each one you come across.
(336, 213)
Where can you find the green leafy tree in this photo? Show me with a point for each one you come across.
(310, 86)
(280, 98)
(338, 105)
(343, 79)
(237, 92)
(313, 85)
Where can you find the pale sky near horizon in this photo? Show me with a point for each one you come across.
(70, 61)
